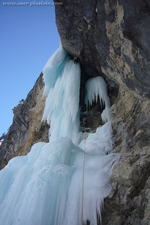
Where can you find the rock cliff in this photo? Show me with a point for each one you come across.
(111, 38)
(26, 128)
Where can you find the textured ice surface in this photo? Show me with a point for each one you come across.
(62, 104)
(96, 87)
(45, 186)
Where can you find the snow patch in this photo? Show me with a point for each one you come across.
(1, 141)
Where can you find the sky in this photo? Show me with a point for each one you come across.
(28, 37)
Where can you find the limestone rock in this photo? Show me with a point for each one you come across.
(111, 37)
(26, 128)
(112, 40)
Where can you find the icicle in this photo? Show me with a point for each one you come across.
(62, 104)
(44, 187)
(53, 68)
(97, 87)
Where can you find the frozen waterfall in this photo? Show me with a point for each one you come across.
(45, 186)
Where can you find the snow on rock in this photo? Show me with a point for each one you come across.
(1, 141)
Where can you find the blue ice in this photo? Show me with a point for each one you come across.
(45, 186)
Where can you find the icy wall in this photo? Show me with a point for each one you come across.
(45, 186)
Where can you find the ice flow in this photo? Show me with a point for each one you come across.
(45, 186)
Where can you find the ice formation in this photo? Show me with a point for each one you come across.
(62, 104)
(45, 186)
(96, 87)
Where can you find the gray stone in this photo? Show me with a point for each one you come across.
(23, 133)
(112, 40)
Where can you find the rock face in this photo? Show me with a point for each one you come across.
(112, 40)
(26, 128)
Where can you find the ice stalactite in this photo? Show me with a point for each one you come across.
(45, 186)
(96, 87)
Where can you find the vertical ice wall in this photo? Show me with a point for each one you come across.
(62, 104)
(45, 187)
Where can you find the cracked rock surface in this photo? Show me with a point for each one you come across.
(112, 40)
